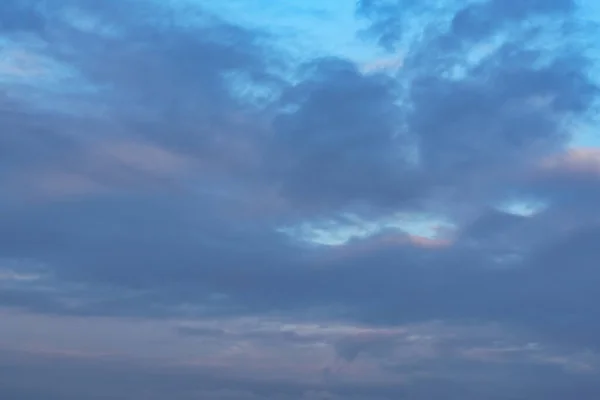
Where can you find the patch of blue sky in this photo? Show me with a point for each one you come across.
(351, 227)
(587, 134)
(522, 207)
(306, 28)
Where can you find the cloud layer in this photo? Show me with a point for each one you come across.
(171, 180)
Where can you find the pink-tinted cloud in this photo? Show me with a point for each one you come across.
(578, 160)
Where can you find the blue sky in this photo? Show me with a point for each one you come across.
(255, 200)
(308, 28)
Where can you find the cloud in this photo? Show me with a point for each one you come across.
(467, 22)
(584, 161)
(9, 275)
(484, 19)
(20, 64)
(152, 210)
(17, 16)
(380, 362)
(389, 64)
(105, 166)
(337, 138)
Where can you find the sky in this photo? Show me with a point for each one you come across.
(299, 200)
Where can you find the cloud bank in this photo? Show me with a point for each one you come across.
(165, 172)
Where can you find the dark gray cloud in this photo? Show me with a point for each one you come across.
(338, 138)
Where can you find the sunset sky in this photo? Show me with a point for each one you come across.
(299, 200)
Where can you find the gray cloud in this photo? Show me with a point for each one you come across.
(470, 22)
(338, 138)
(479, 20)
